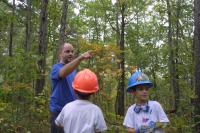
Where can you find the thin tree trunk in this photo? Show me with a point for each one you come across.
(63, 21)
(137, 27)
(172, 67)
(104, 28)
(197, 61)
(10, 49)
(118, 30)
(96, 27)
(121, 84)
(176, 75)
(55, 51)
(28, 26)
(42, 47)
(118, 44)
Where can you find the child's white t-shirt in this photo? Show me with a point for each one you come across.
(136, 120)
(81, 116)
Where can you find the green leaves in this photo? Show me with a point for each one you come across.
(97, 27)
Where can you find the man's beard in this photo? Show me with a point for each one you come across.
(67, 60)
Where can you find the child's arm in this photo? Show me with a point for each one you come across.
(59, 120)
(161, 124)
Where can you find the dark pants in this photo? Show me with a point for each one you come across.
(54, 127)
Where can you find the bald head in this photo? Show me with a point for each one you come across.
(64, 46)
(66, 53)
(67, 45)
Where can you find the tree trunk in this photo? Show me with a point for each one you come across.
(117, 104)
(10, 45)
(104, 28)
(63, 22)
(28, 26)
(176, 75)
(172, 66)
(121, 84)
(42, 47)
(197, 61)
(96, 28)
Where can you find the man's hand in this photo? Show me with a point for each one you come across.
(87, 55)
(69, 67)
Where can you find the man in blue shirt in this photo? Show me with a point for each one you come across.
(62, 75)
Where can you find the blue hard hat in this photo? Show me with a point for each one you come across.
(138, 78)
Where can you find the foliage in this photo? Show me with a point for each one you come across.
(95, 28)
(21, 111)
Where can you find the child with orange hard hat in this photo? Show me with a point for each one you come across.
(145, 116)
(81, 115)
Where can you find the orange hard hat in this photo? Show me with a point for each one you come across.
(86, 82)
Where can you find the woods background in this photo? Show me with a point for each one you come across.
(160, 36)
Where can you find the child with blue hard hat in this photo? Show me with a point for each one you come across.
(145, 116)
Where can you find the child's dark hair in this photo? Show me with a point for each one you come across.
(83, 96)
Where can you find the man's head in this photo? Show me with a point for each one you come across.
(66, 53)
